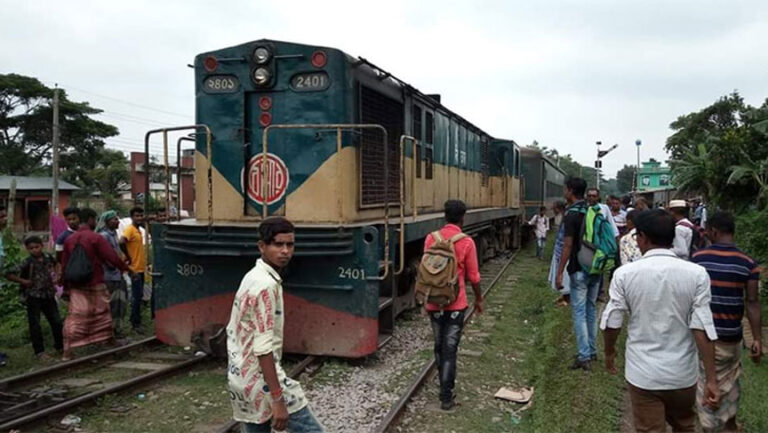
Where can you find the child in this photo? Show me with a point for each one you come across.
(37, 292)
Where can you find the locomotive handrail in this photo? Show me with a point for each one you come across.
(265, 180)
(414, 143)
(189, 137)
(209, 154)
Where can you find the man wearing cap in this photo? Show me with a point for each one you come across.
(683, 229)
(113, 277)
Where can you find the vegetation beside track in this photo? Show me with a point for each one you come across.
(530, 344)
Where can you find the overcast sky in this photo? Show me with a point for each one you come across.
(565, 73)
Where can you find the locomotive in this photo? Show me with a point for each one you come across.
(543, 182)
(359, 160)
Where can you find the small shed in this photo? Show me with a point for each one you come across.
(32, 204)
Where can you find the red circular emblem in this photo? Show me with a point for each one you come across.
(276, 177)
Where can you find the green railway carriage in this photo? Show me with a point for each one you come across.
(358, 159)
(543, 182)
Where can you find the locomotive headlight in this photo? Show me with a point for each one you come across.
(261, 55)
(261, 76)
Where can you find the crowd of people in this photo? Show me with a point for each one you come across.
(88, 275)
(685, 286)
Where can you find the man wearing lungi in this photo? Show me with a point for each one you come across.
(89, 320)
(734, 276)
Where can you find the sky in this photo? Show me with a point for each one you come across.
(563, 73)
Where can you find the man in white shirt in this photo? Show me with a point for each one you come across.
(619, 215)
(683, 229)
(667, 300)
(263, 397)
(540, 223)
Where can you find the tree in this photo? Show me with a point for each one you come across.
(625, 179)
(26, 128)
(108, 171)
(717, 151)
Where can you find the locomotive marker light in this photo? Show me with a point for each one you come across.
(210, 63)
(261, 55)
(265, 119)
(319, 59)
(277, 177)
(265, 103)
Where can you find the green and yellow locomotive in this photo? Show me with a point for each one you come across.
(358, 159)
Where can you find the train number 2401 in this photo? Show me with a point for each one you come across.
(189, 269)
(351, 273)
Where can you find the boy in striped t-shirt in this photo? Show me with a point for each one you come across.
(732, 274)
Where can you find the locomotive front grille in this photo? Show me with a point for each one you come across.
(376, 108)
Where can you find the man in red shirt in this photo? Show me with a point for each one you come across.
(447, 322)
(89, 320)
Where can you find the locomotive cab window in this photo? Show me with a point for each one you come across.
(417, 135)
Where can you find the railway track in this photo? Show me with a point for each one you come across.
(394, 414)
(234, 426)
(31, 397)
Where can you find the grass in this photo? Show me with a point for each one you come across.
(530, 344)
(196, 401)
(21, 357)
(753, 408)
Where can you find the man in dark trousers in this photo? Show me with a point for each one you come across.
(448, 321)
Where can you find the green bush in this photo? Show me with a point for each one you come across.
(752, 234)
(13, 327)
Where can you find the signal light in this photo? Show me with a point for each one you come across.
(319, 59)
(265, 103)
(265, 119)
(210, 63)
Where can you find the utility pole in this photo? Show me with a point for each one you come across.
(55, 146)
(638, 143)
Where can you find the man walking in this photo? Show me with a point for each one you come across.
(683, 229)
(113, 278)
(89, 320)
(667, 300)
(732, 275)
(258, 387)
(540, 224)
(133, 244)
(448, 321)
(583, 287)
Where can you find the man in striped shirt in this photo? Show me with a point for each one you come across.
(732, 274)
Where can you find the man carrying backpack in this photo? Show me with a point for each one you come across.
(447, 316)
(89, 320)
(584, 264)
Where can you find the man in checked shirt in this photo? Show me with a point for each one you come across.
(263, 397)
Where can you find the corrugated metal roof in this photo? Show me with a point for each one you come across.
(31, 183)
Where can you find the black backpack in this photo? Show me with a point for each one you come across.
(79, 269)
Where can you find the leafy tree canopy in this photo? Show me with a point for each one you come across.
(26, 115)
(721, 152)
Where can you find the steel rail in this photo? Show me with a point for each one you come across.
(293, 374)
(77, 401)
(397, 410)
(43, 372)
